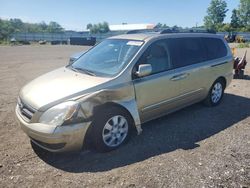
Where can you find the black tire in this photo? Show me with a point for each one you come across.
(97, 128)
(209, 101)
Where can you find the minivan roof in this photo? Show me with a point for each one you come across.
(148, 36)
(141, 36)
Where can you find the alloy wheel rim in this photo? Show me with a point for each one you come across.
(115, 131)
(216, 92)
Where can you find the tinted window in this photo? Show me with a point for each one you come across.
(186, 51)
(157, 56)
(215, 48)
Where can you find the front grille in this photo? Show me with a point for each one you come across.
(25, 110)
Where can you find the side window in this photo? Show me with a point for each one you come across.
(186, 51)
(215, 48)
(157, 56)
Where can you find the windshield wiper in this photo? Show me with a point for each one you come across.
(74, 69)
(78, 69)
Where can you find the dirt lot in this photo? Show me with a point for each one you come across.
(195, 147)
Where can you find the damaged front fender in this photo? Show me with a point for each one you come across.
(122, 95)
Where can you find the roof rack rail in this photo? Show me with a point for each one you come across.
(171, 30)
(165, 31)
(142, 31)
(133, 31)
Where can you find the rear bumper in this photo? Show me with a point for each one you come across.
(229, 78)
(57, 138)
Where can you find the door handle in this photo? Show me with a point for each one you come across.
(179, 77)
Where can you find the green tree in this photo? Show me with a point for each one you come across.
(244, 12)
(98, 28)
(43, 26)
(176, 28)
(94, 29)
(161, 26)
(105, 27)
(225, 28)
(16, 25)
(3, 29)
(235, 20)
(54, 27)
(8, 27)
(216, 14)
(89, 26)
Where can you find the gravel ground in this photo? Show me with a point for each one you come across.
(195, 147)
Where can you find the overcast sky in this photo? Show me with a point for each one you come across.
(76, 14)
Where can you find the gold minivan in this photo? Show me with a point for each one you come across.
(120, 84)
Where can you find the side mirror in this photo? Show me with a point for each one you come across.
(144, 70)
(76, 56)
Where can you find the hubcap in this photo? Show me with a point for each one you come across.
(115, 131)
(216, 92)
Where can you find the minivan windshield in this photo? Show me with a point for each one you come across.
(107, 58)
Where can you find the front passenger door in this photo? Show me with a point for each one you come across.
(155, 92)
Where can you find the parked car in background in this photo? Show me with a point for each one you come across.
(121, 83)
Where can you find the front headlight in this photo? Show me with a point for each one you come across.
(60, 113)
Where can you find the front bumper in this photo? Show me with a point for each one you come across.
(55, 138)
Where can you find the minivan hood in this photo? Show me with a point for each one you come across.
(59, 84)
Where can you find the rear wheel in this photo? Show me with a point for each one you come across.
(110, 129)
(216, 93)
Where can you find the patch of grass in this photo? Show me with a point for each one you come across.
(4, 42)
(244, 45)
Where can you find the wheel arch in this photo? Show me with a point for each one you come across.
(129, 107)
(223, 79)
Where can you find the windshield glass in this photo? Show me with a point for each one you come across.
(107, 58)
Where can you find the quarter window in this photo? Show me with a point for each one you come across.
(215, 48)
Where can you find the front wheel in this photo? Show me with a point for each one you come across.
(110, 129)
(215, 94)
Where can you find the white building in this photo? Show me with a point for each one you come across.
(127, 27)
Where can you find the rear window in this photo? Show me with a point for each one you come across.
(215, 48)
